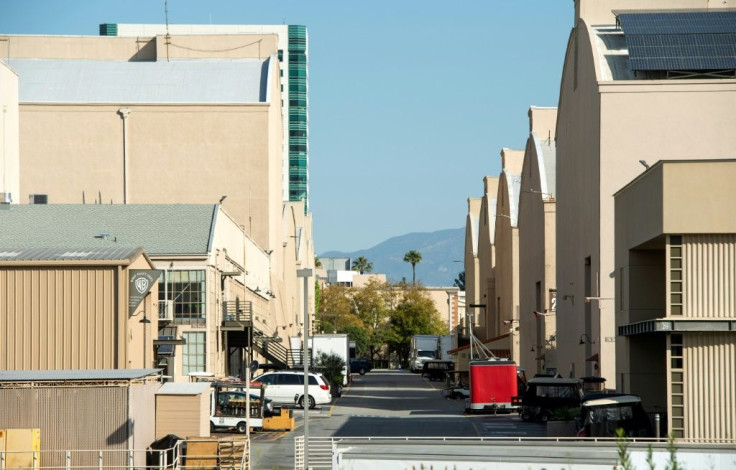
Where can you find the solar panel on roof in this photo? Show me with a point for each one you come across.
(704, 40)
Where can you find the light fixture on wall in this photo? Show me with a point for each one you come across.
(644, 163)
(584, 338)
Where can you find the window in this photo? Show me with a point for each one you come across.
(675, 284)
(289, 379)
(268, 379)
(193, 356)
(187, 290)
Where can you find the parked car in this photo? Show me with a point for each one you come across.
(545, 395)
(436, 369)
(287, 387)
(603, 414)
(361, 365)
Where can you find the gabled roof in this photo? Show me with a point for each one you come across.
(160, 229)
(123, 82)
(513, 187)
(546, 157)
(68, 254)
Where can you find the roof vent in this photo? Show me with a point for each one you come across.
(38, 199)
(6, 198)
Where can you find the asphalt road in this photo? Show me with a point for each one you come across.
(386, 403)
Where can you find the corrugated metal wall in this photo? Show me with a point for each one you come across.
(70, 418)
(710, 385)
(58, 318)
(709, 276)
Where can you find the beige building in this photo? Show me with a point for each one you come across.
(675, 301)
(214, 302)
(151, 121)
(470, 257)
(611, 116)
(537, 285)
(66, 308)
(505, 316)
(9, 172)
(486, 260)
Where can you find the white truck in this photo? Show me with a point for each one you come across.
(338, 344)
(422, 348)
(446, 343)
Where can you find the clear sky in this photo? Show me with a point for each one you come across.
(410, 102)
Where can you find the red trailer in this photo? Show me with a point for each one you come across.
(493, 385)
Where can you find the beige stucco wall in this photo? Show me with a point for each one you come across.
(207, 151)
(604, 129)
(536, 265)
(486, 256)
(470, 258)
(506, 313)
(226, 46)
(9, 180)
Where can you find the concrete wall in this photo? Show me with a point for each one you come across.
(9, 162)
(536, 263)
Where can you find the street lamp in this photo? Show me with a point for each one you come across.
(306, 274)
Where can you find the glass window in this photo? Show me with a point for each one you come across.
(267, 379)
(288, 379)
(187, 290)
(193, 356)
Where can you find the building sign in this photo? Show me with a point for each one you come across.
(553, 300)
(141, 282)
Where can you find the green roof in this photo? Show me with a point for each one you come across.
(160, 229)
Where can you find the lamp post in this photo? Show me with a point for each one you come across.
(306, 274)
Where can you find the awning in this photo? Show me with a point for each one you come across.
(593, 358)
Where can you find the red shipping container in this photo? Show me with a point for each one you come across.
(492, 384)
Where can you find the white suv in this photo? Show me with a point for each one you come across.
(287, 387)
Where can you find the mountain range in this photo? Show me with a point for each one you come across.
(442, 256)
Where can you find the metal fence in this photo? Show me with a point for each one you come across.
(202, 454)
(321, 449)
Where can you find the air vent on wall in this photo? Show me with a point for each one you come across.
(38, 199)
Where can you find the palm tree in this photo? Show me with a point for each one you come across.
(413, 257)
(362, 265)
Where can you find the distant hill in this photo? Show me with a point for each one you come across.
(439, 252)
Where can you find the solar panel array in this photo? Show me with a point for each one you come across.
(688, 40)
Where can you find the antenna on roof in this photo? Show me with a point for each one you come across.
(168, 37)
(99, 196)
(83, 200)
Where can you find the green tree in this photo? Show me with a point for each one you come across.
(413, 257)
(415, 314)
(362, 265)
(460, 280)
(332, 367)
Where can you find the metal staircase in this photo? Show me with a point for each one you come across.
(271, 348)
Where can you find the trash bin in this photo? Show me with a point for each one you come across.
(155, 454)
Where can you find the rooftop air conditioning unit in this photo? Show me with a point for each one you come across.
(6, 198)
(38, 199)
(165, 310)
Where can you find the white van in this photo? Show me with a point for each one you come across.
(287, 387)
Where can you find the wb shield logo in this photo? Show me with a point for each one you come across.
(141, 285)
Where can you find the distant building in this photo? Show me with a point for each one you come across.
(293, 54)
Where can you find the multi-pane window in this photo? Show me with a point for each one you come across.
(677, 379)
(193, 356)
(187, 290)
(675, 286)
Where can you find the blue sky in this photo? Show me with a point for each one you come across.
(410, 101)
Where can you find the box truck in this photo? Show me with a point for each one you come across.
(338, 344)
(421, 349)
